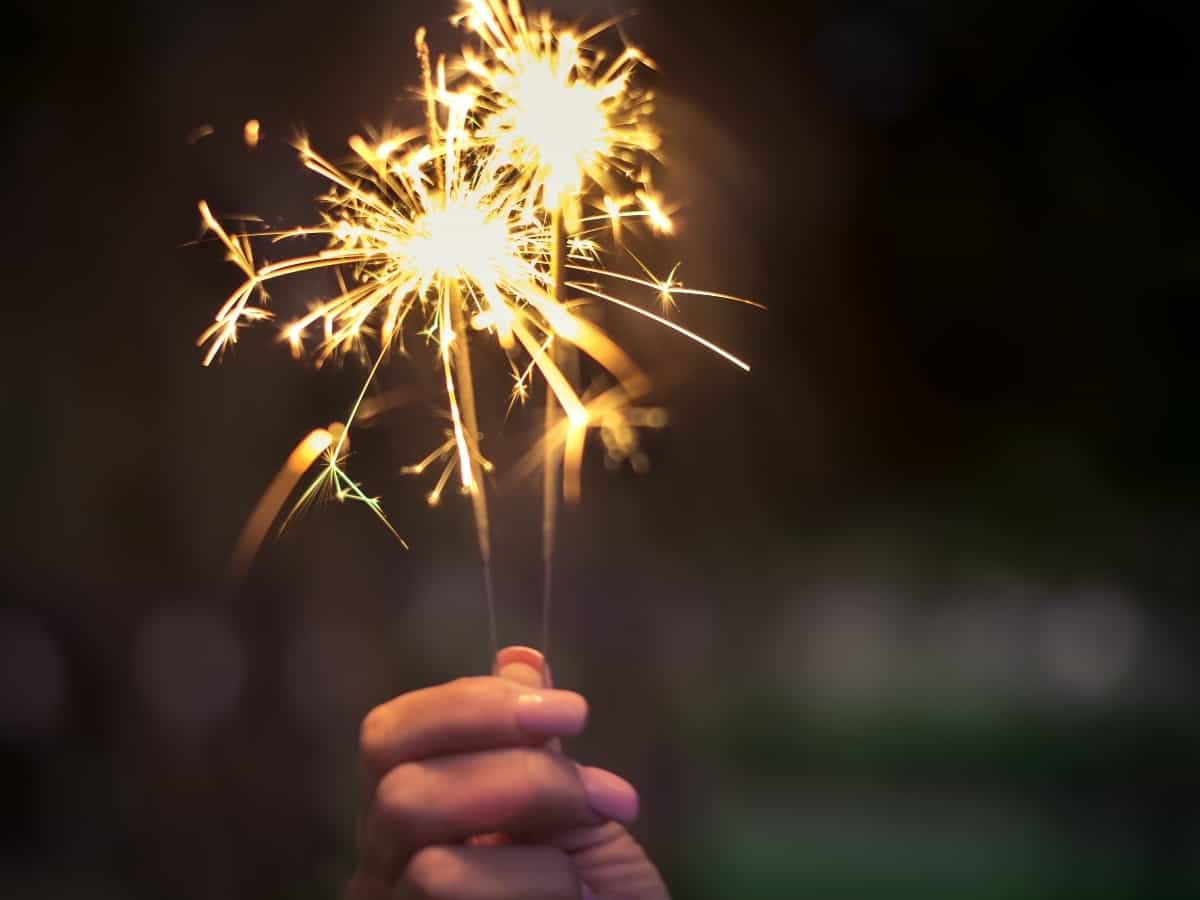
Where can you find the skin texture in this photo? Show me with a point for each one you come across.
(469, 797)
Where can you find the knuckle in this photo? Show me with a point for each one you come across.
(435, 873)
(400, 796)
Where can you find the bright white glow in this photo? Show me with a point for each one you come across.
(565, 123)
(458, 240)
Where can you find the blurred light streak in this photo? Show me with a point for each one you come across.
(266, 511)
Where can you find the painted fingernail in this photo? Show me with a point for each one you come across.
(610, 796)
(550, 713)
(523, 665)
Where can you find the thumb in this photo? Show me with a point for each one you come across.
(611, 863)
(527, 667)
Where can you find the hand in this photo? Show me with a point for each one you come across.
(470, 798)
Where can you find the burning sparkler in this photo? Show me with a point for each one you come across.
(558, 109)
(561, 115)
(471, 224)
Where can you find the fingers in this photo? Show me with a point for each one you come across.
(611, 862)
(515, 791)
(463, 716)
(492, 873)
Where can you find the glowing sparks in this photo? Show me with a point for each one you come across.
(330, 442)
(468, 227)
(557, 109)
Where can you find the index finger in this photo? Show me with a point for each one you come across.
(465, 715)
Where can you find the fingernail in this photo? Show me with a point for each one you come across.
(523, 665)
(551, 713)
(586, 893)
(610, 796)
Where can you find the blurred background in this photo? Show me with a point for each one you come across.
(909, 610)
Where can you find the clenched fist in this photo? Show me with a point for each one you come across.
(471, 798)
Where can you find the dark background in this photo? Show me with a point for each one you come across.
(907, 611)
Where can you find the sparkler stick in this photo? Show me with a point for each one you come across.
(471, 483)
(454, 336)
(550, 467)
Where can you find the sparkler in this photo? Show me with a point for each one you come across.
(470, 225)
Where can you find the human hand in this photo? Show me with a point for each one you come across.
(478, 757)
